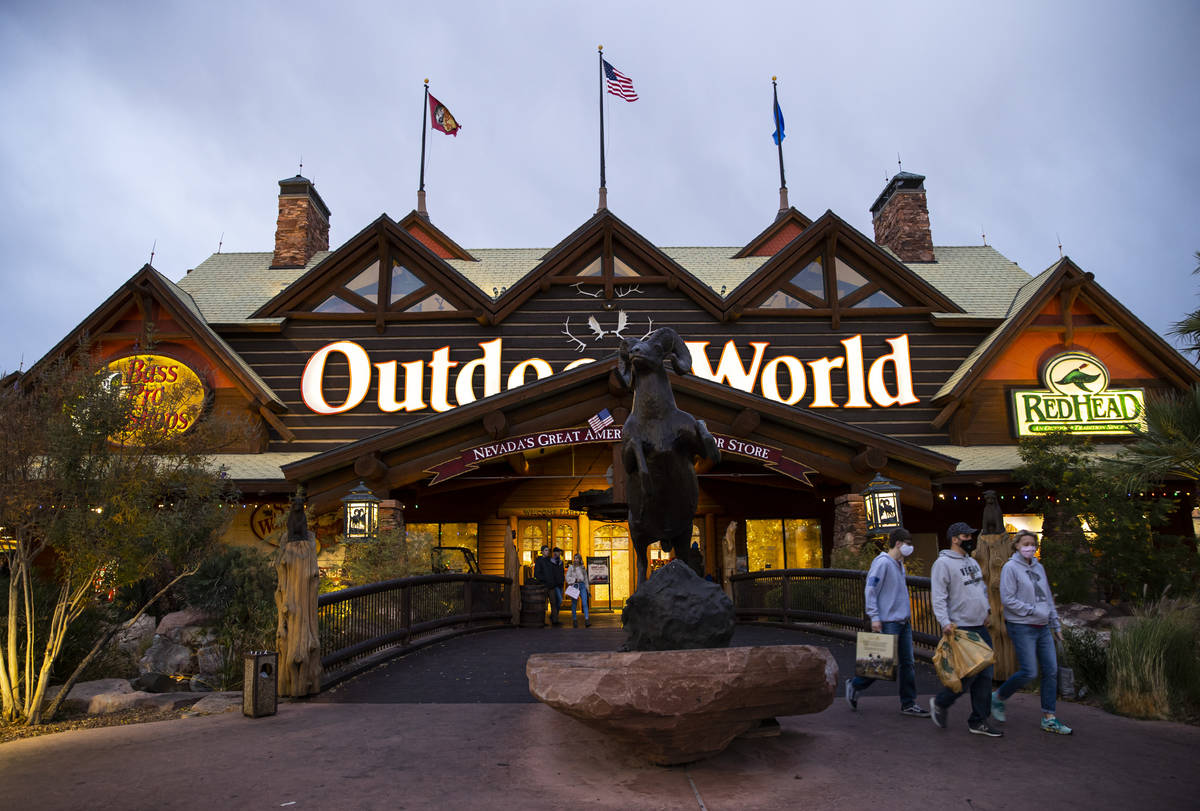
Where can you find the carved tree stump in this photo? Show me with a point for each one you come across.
(993, 552)
(296, 634)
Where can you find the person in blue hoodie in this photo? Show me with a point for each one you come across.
(1032, 623)
(886, 595)
(960, 600)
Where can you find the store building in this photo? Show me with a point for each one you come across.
(459, 383)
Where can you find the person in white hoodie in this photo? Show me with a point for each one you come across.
(1032, 623)
(960, 601)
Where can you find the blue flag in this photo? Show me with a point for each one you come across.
(778, 135)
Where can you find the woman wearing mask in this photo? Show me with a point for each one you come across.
(1032, 623)
(577, 577)
(886, 595)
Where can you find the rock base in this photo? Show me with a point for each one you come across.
(675, 707)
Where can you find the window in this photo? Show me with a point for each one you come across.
(366, 284)
(333, 304)
(404, 283)
(792, 543)
(811, 279)
(430, 304)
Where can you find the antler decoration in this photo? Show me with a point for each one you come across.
(566, 330)
(579, 287)
(628, 290)
(622, 323)
(649, 327)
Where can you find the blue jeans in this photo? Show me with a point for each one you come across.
(555, 594)
(906, 667)
(1035, 650)
(582, 599)
(979, 685)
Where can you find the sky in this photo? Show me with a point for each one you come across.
(165, 126)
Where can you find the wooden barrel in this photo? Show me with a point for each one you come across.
(533, 605)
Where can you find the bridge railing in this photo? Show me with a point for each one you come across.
(830, 601)
(364, 625)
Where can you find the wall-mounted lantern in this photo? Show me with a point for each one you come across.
(882, 501)
(362, 515)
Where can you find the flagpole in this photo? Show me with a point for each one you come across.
(603, 189)
(424, 120)
(783, 197)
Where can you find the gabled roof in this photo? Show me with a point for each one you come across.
(789, 225)
(407, 453)
(606, 235)
(433, 238)
(1064, 275)
(148, 282)
(828, 236)
(379, 240)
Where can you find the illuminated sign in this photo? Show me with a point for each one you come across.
(168, 395)
(1077, 399)
(401, 386)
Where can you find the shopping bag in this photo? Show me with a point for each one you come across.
(573, 592)
(961, 657)
(875, 656)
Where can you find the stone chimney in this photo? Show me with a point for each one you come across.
(303, 226)
(901, 218)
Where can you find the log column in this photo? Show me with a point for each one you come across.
(296, 634)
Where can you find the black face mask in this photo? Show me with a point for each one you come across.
(969, 545)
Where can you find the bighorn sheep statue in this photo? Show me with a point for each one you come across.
(659, 446)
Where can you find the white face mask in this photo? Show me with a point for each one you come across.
(906, 549)
(1027, 552)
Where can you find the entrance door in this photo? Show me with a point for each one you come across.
(531, 534)
(612, 541)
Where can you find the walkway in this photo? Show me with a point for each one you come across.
(351, 750)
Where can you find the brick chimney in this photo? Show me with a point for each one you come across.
(901, 218)
(303, 226)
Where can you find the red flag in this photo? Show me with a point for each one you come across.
(442, 119)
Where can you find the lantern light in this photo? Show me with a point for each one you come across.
(362, 514)
(882, 502)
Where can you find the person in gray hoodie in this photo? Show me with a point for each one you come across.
(960, 601)
(1032, 623)
(886, 595)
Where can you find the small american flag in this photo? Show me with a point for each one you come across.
(618, 83)
(601, 420)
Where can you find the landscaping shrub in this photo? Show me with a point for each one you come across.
(237, 587)
(1154, 662)
(1086, 652)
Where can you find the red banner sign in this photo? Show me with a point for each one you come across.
(472, 458)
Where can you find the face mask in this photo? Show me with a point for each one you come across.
(969, 545)
(1027, 552)
(906, 549)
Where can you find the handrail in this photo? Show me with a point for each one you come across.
(830, 598)
(364, 625)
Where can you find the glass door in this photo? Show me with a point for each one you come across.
(611, 542)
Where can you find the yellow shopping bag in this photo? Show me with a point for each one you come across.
(961, 657)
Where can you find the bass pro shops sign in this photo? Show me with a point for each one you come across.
(1077, 399)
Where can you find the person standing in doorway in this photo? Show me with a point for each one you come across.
(577, 577)
(556, 580)
(1032, 622)
(542, 573)
(960, 601)
(886, 595)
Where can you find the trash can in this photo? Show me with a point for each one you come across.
(260, 683)
(533, 605)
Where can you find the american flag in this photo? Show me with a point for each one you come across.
(618, 83)
(601, 420)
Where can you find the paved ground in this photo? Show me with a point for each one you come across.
(394, 752)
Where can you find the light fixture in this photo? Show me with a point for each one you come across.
(882, 501)
(362, 515)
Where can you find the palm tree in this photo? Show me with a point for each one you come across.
(1189, 327)
(1168, 445)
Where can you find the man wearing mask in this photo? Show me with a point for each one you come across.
(887, 602)
(960, 601)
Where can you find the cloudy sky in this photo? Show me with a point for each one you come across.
(132, 125)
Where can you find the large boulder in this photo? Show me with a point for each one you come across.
(136, 638)
(677, 610)
(172, 625)
(678, 706)
(168, 657)
(83, 693)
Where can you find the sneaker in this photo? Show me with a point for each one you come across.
(997, 708)
(1056, 726)
(915, 710)
(984, 728)
(937, 714)
(851, 694)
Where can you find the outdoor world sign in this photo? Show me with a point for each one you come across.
(1077, 399)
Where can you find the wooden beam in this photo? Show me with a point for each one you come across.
(277, 424)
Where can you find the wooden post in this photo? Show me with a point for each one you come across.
(728, 558)
(991, 555)
(296, 634)
(512, 565)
